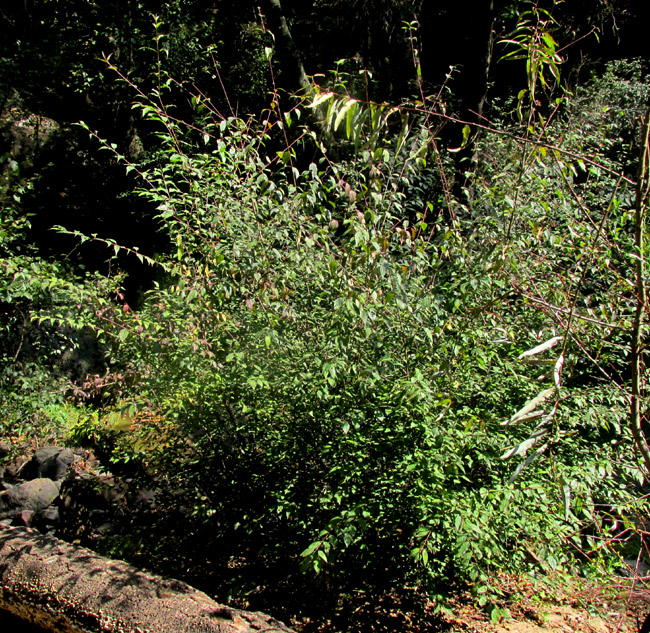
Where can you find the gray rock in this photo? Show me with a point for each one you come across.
(34, 495)
(50, 514)
(46, 520)
(105, 529)
(147, 498)
(25, 517)
(51, 462)
(26, 134)
(635, 569)
(14, 468)
(97, 517)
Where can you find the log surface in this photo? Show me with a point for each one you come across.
(69, 589)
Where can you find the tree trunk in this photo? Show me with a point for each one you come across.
(291, 52)
(69, 589)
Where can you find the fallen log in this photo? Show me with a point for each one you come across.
(69, 589)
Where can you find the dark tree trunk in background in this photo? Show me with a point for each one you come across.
(287, 47)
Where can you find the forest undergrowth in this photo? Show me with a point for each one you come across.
(389, 354)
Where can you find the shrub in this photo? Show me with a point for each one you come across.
(334, 370)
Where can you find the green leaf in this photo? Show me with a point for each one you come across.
(311, 549)
(466, 132)
(351, 103)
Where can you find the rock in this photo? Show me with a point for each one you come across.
(634, 568)
(146, 498)
(68, 588)
(25, 517)
(14, 467)
(34, 495)
(105, 529)
(97, 517)
(51, 462)
(25, 134)
(47, 519)
(88, 502)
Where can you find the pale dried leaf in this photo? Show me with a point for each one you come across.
(523, 447)
(549, 417)
(557, 371)
(552, 342)
(531, 405)
(529, 460)
(531, 416)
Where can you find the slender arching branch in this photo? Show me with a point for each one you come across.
(637, 391)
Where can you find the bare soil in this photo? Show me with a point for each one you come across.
(519, 605)
(560, 607)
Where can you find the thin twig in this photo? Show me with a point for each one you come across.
(636, 347)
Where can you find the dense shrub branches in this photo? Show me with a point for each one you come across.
(347, 360)
(338, 336)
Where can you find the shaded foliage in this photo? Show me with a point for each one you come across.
(380, 345)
